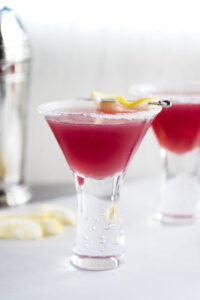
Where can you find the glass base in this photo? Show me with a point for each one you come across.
(95, 263)
(174, 219)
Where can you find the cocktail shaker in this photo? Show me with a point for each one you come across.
(14, 82)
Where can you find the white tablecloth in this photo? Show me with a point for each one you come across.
(162, 262)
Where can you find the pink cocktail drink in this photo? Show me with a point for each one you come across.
(97, 149)
(177, 130)
(178, 127)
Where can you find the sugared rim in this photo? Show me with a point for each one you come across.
(178, 92)
(55, 109)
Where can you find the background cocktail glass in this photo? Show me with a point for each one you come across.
(98, 148)
(177, 130)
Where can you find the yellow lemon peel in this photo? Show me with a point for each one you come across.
(126, 103)
(98, 97)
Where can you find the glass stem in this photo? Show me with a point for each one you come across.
(99, 231)
(179, 187)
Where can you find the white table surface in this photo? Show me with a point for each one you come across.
(162, 262)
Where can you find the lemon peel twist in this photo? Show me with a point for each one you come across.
(126, 103)
(98, 97)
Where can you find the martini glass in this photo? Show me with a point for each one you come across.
(98, 147)
(177, 130)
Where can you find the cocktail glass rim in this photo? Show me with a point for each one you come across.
(54, 108)
(178, 91)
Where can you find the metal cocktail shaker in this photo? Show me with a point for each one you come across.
(14, 79)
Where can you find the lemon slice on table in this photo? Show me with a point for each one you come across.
(46, 220)
(64, 214)
(15, 228)
(48, 225)
(116, 103)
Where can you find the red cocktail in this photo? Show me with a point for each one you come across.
(178, 127)
(98, 147)
(177, 130)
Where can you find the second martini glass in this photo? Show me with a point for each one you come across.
(98, 147)
(177, 131)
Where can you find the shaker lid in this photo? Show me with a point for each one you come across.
(14, 45)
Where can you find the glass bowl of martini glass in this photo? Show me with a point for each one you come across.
(177, 130)
(98, 147)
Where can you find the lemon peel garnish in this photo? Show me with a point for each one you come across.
(126, 103)
(98, 97)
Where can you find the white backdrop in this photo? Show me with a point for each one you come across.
(79, 46)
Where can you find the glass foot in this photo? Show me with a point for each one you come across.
(174, 219)
(95, 263)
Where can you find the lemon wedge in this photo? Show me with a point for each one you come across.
(49, 225)
(15, 228)
(59, 212)
(109, 106)
(99, 96)
(117, 102)
(46, 220)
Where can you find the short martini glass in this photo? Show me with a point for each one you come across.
(98, 148)
(177, 130)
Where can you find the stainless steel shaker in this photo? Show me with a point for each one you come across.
(14, 81)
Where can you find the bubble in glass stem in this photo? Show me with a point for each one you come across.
(85, 237)
(93, 228)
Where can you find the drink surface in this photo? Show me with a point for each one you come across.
(178, 127)
(96, 147)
